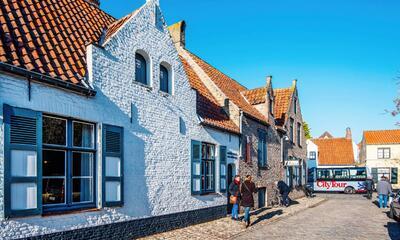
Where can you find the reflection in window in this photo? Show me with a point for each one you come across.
(53, 177)
(208, 167)
(54, 131)
(83, 135)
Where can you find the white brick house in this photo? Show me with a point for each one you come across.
(117, 143)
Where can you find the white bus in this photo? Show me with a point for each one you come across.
(347, 180)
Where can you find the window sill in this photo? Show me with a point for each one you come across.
(148, 88)
(51, 214)
(164, 94)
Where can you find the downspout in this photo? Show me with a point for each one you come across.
(241, 133)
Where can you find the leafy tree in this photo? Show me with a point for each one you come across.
(307, 130)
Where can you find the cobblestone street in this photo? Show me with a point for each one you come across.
(341, 217)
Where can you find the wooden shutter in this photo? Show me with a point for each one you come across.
(374, 172)
(222, 169)
(394, 175)
(23, 162)
(262, 148)
(196, 168)
(113, 162)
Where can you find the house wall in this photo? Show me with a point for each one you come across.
(262, 177)
(372, 160)
(157, 160)
(312, 147)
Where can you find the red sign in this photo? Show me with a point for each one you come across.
(331, 184)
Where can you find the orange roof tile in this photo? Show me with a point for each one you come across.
(114, 27)
(207, 106)
(382, 137)
(282, 98)
(335, 151)
(40, 35)
(256, 96)
(232, 89)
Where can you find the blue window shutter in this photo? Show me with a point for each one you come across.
(196, 168)
(113, 150)
(23, 132)
(265, 154)
(222, 168)
(394, 175)
(259, 149)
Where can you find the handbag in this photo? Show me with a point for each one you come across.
(233, 199)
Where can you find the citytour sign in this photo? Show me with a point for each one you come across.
(338, 186)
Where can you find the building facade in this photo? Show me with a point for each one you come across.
(103, 125)
(380, 153)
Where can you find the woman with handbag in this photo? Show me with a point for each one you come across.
(234, 191)
(247, 190)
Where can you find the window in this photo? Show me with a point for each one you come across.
(394, 177)
(295, 105)
(383, 153)
(313, 155)
(140, 69)
(164, 79)
(292, 129)
(203, 168)
(340, 174)
(262, 148)
(324, 174)
(298, 134)
(222, 168)
(67, 164)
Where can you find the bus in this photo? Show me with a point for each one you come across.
(347, 180)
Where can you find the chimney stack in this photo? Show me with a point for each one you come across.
(178, 33)
(95, 3)
(226, 106)
(348, 133)
(269, 80)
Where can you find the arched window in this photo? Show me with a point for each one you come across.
(141, 69)
(164, 79)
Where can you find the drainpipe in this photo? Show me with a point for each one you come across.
(241, 133)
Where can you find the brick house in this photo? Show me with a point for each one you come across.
(380, 153)
(99, 120)
(251, 110)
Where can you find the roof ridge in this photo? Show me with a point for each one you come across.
(99, 9)
(382, 130)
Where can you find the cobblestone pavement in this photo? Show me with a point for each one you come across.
(341, 217)
(226, 228)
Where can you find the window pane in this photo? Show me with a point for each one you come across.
(82, 190)
(53, 190)
(53, 163)
(164, 79)
(196, 185)
(83, 135)
(113, 191)
(23, 196)
(113, 167)
(140, 69)
(82, 164)
(54, 131)
(23, 163)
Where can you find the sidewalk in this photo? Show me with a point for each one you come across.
(226, 228)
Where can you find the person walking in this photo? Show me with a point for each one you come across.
(234, 199)
(384, 189)
(369, 186)
(284, 190)
(246, 190)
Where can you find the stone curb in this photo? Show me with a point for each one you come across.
(278, 218)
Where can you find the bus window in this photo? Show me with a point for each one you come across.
(339, 174)
(324, 174)
(358, 173)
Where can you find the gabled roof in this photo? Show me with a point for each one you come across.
(335, 151)
(117, 25)
(382, 137)
(231, 88)
(207, 106)
(50, 36)
(256, 96)
(326, 134)
(283, 99)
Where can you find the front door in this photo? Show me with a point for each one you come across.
(262, 193)
(230, 179)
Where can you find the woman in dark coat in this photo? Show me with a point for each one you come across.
(247, 189)
(234, 190)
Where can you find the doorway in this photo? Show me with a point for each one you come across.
(262, 197)
(231, 175)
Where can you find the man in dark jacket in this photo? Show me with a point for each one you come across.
(234, 191)
(369, 186)
(384, 189)
(284, 190)
(247, 189)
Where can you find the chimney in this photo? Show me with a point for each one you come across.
(226, 106)
(178, 33)
(269, 80)
(348, 133)
(294, 83)
(95, 3)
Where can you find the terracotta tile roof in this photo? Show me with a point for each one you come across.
(232, 89)
(326, 134)
(382, 137)
(50, 36)
(335, 151)
(256, 96)
(207, 106)
(282, 98)
(114, 27)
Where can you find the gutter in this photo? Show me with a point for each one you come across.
(41, 78)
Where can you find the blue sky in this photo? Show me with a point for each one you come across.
(345, 54)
